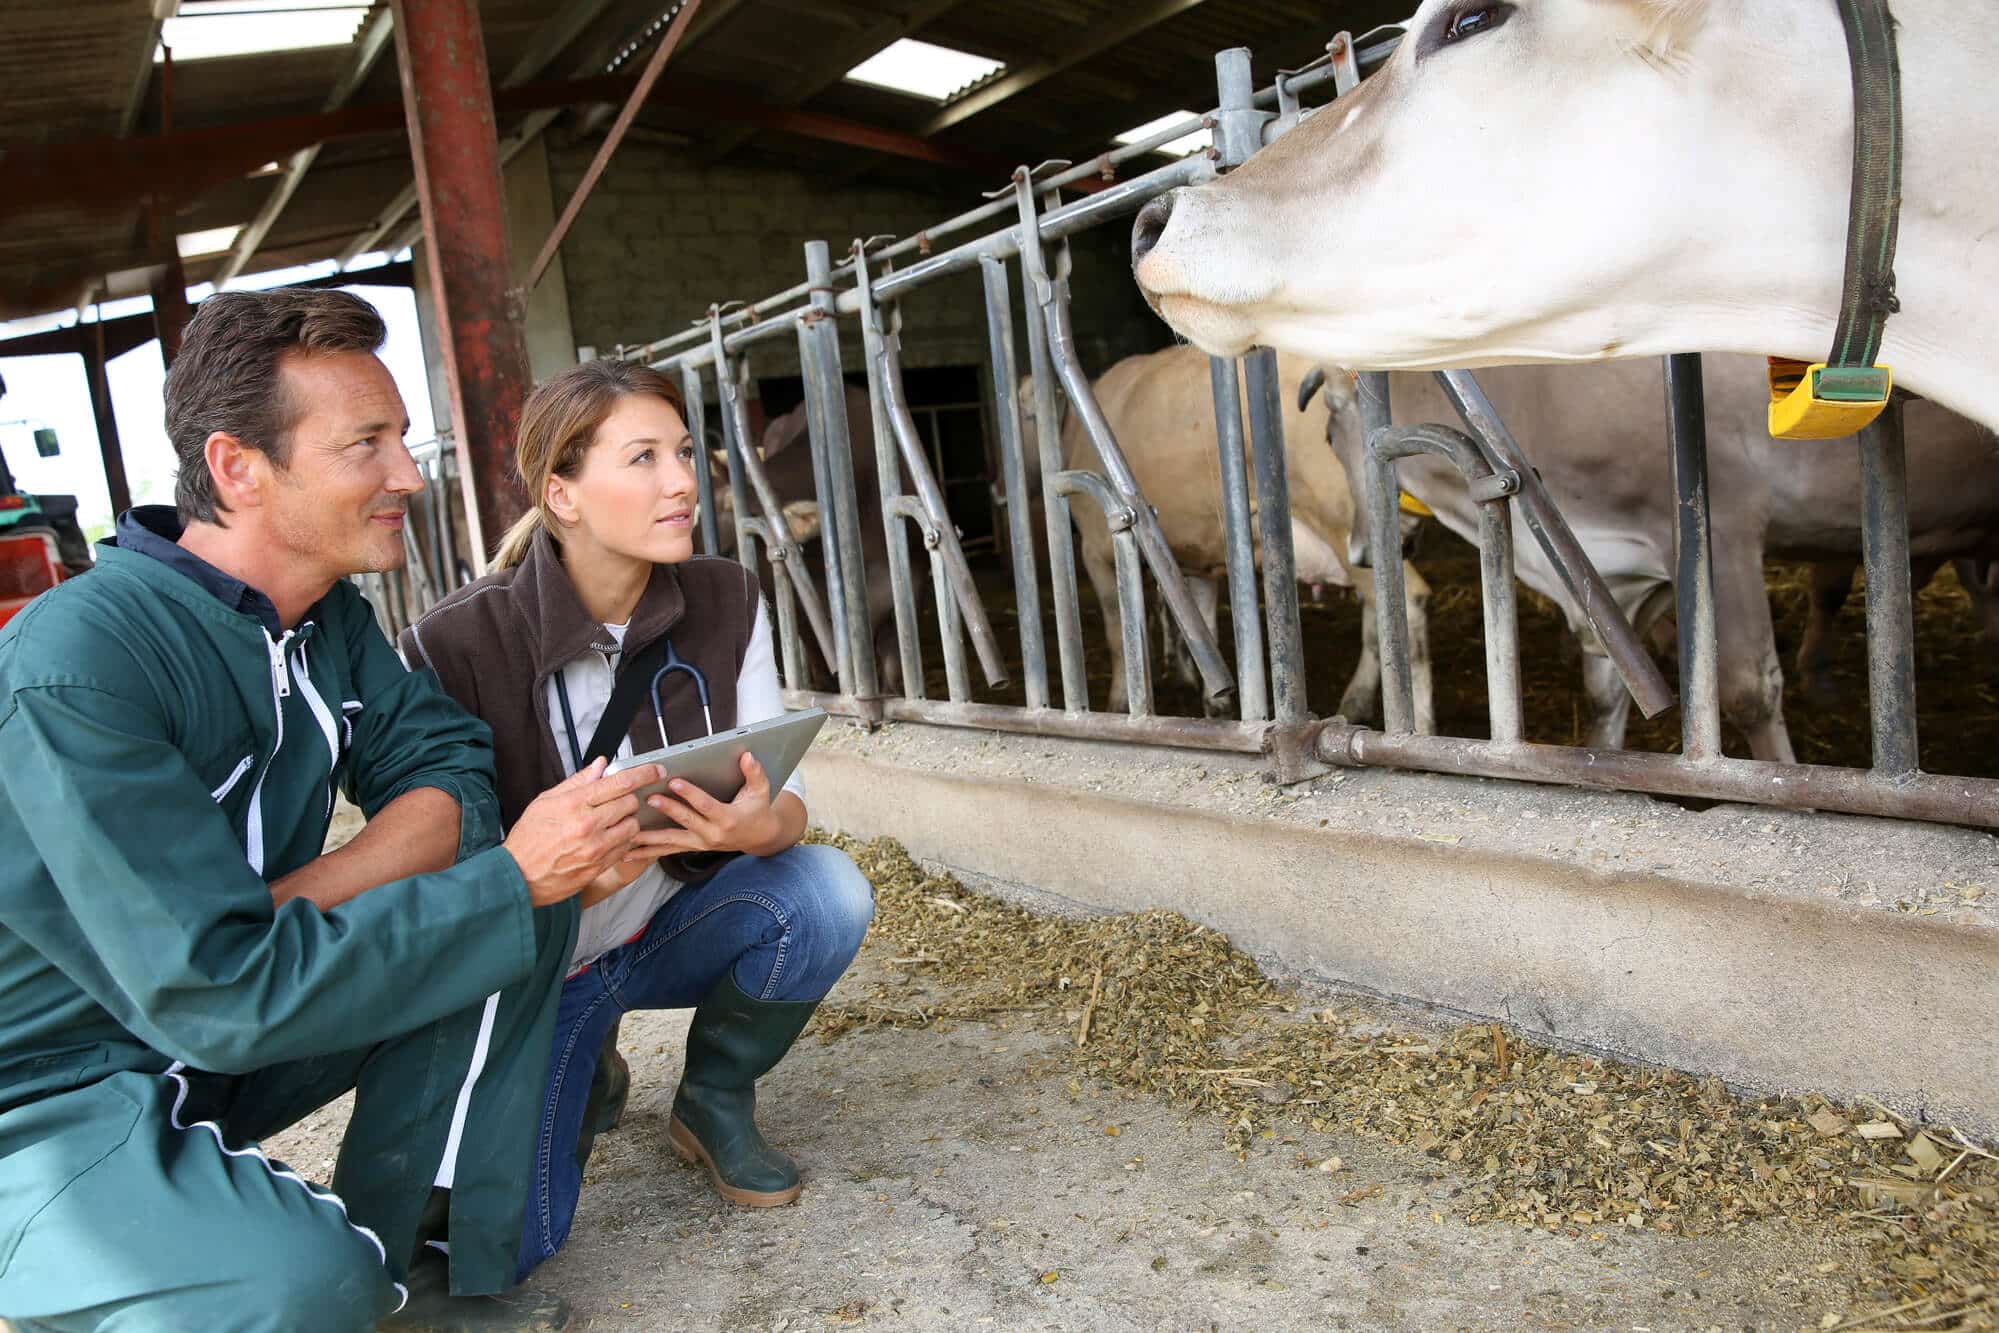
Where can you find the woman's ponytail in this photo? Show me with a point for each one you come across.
(514, 545)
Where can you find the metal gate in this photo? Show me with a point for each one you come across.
(1263, 678)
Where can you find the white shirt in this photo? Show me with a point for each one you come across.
(588, 680)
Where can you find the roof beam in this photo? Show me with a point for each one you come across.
(705, 22)
(1092, 42)
(373, 42)
(842, 56)
(135, 97)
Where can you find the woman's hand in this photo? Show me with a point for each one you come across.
(752, 823)
(647, 848)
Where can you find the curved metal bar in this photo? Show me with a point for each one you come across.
(888, 480)
(744, 462)
(950, 628)
(1499, 598)
(1620, 642)
(1216, 680)
(1130, 582)
(961, 583)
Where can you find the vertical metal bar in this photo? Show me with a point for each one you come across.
(108, 446)
(1891, 629)
(1216, 681)
(1391, 611)
(1013, 470)
(822, 494)
(950, 629)
(448, 100)
(704, 478)
(1131, 604)
(793, 647)
(447, 455)
(1036, 291)
(888, 475)
(1693, 579)
(1280, 565)
(735, 425)
(1500, 602)
(823, 379)
(1240, 545)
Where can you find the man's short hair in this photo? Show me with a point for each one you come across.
(228, 376)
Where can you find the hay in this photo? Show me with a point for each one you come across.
(1543, 1138)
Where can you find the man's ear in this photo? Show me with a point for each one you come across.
(239, 472)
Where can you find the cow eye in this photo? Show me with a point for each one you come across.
(1471, 22)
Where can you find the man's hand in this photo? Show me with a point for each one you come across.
(752, 823)
(578, 829)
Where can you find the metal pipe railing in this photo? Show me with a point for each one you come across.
(1013, 472)
(1891, 623)
(1700, 685)
(1490, 461)
(1119, 516)
(819, 362)
(1620, 642)
(1498, 596)
(1252, 691)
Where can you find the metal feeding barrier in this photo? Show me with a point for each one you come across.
(1264, 685)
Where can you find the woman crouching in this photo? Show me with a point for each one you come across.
(727, 912)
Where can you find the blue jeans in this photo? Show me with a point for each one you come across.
(785, 925)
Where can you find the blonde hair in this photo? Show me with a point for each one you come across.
(558, 426)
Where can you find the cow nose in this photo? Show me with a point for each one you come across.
(1151, 223)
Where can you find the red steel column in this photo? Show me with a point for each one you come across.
(448, 96)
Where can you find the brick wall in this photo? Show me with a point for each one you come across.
(662, 238)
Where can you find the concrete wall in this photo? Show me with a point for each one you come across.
(1782, 950)
(663, 238)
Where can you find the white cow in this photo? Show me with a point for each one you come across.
(1597, 436)
(1161, 411)
(1580, 180)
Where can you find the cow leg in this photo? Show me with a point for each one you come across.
(1207, 595)
(1361, 700)
(1832, 583)
(1981, 583)
(1362, 696)
(1750, 674)
(1103, 581)
(1609, 703)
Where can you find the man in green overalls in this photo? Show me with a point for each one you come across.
(184, 971)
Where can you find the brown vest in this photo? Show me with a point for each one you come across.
(495, 642)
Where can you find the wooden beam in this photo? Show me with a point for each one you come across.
(1093, 42)
(373, 43)
(840, 57)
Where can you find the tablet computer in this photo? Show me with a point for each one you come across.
(714, 763)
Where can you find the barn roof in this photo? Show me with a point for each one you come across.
(88, 111)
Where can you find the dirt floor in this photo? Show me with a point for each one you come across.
(1957, 675)
(962, 1176)
(959, 1180)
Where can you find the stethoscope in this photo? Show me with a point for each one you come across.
(674, 662)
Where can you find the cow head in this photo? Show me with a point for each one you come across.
(1533, 180)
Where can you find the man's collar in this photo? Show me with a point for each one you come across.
(154, 530)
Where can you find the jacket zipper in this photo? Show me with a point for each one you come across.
(281, 686)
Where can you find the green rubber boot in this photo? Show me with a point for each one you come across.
(610, 1085)
(733, 1042)
(432, 1308)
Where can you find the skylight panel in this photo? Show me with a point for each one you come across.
(1180, 147)
(922, 69)
(212, 29)
(214, 241)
